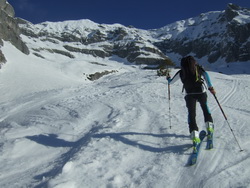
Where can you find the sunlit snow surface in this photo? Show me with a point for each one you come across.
(58, 129)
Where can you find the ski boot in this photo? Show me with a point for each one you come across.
(210, 130)
(196, 140)
(210, 133)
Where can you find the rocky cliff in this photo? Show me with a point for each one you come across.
(9, 30)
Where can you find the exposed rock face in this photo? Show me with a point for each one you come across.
(98, 75)
(9, 30)
(98, 40)
(7, 8)
(2, 59)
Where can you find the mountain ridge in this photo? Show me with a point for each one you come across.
(215, 36)
(219, 35)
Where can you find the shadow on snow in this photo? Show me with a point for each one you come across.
(169, 149)
(52, 140)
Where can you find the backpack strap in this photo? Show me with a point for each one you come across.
(198, 76)
(198, 73)
(201, 70)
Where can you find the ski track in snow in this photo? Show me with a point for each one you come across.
(114, 132)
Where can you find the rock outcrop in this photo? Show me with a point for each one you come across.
(9, 29)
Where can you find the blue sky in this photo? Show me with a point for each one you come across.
(142, 14)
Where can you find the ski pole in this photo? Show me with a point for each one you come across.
(227, 122)
(169, 106)
(169, 109)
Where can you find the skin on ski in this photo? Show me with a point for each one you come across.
(194, 156)
(210, 144)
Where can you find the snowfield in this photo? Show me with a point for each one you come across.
(60, 130)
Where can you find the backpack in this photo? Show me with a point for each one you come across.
(191, 75)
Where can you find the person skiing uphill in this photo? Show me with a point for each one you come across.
(193, 76)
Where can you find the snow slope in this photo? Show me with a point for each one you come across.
(60, 130)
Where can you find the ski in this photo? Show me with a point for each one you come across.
(194, 156)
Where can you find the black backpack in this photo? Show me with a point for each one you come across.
(190, 75)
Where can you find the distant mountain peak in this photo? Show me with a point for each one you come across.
(218, 36)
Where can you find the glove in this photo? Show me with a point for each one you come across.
(211, 89)
(168, 78)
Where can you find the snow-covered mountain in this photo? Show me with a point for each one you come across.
(217, 36)
(214, 36)
(99, 40)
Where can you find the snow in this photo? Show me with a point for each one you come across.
(201, 22)
(60, 130)
(242, 19)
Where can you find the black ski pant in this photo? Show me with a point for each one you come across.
(191, 100)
